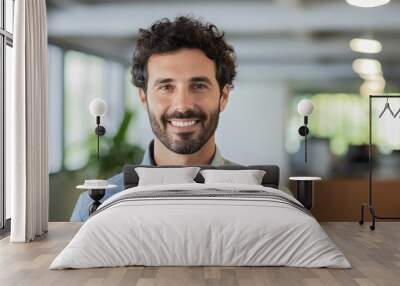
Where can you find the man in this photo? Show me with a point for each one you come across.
(184, 71)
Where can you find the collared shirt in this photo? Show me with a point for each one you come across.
(81, 210)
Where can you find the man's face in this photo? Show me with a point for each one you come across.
(183, 99)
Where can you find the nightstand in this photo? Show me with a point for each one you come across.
(96, 190)
(305, 190)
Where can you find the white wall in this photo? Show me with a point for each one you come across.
(251, 129)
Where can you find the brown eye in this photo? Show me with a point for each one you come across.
(200, 86)
(167, 87)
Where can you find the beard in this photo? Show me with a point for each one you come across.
(187, 142)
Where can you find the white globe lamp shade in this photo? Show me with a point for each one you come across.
(98, 107)
(305, 107)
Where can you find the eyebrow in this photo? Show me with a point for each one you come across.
(201, 79)
(193, 79)
(163, 80)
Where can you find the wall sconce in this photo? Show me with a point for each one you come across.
(98, 108)
(305, 108)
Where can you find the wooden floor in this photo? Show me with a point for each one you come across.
(375, 257)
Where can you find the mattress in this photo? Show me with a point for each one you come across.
(201, 225)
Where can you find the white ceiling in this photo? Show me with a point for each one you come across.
(293, 39)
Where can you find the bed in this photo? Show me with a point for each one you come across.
(201, 224)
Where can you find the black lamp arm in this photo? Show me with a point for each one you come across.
(100, 131)
(303, 131)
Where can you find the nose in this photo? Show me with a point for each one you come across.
(183, 100)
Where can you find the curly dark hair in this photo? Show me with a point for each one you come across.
(184, 32)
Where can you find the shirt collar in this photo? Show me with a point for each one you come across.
(148, 157)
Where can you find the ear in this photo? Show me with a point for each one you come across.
(223, 101)
(142, 97)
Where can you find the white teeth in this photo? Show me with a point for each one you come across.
(182, 123)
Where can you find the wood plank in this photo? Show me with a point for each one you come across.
(375, 257)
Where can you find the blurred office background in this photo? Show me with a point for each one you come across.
(287, 50)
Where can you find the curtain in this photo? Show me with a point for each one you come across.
(27, 123)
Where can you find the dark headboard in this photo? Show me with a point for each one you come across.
(270, 179)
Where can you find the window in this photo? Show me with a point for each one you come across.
(75, 78)
(55, 107)
(6, 43)
(343, 120)
(87, 77)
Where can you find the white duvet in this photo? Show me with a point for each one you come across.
(183, 231)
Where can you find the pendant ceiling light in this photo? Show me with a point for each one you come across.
(367, 3)
(366, 46)
(367, 67)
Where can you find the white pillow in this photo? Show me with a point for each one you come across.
(249, 177)
(161, 176)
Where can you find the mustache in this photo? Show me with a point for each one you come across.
(188, 114)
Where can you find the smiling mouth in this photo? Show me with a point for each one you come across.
(183, 122)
